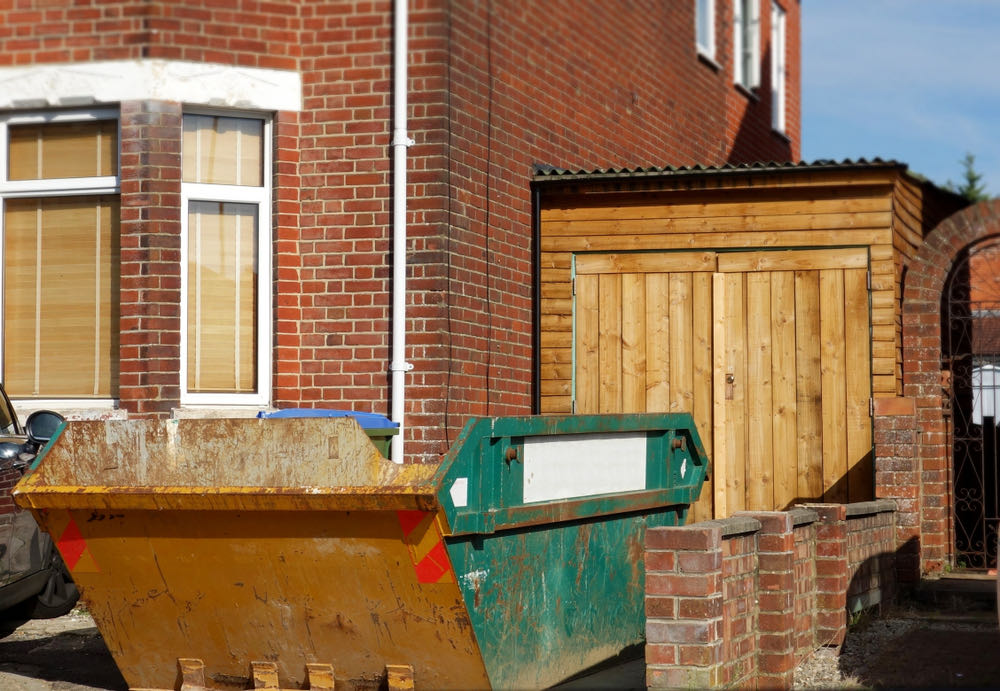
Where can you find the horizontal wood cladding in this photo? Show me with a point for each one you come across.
(647, 227)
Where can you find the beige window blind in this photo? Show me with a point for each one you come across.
(63, 150)
(223, 150)
(61, 284)
(222, 297)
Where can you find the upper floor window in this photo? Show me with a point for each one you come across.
(746, 42)
(704, 27)
(778, 67)
(225, 309)
(59, 187)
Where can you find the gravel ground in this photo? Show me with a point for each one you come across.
(909, 650)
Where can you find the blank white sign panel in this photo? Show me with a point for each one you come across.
(571, 465)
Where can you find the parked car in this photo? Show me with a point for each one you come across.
(34, 582)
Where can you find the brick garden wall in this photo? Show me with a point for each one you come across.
(741, 601)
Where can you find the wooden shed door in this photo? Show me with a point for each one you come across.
(768, 350)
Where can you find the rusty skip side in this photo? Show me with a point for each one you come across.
(223, 464)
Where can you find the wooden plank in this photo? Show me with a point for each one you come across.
(715, 205)
(808, 388)
(883, 299)
(740, 224)
(657, 343)
(555, 405)
(556, 276)
(783, 403)
(720, 450)
(587, 381)
(633, 306)
(883, 349)
(701, 301)
(555, 387)
(794, 260)
(884, 384)
(834, 402)
(861, 479)
(559, 246)
(681, 361)
(562, 371)
(557, 259)
(557, 339)
(556, 291)
(610, 344)
(559, 306)
(644, 262)
(759, 399)
(735, 376)
(555, 322)
(882, 252)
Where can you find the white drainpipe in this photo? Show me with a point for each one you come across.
(400, 142)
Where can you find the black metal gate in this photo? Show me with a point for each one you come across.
(971, 331)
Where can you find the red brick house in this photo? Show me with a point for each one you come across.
(198, 194)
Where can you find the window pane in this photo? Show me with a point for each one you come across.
(61, 285)
(221, 150)
(704, 25)
(63, 150)
(222, 298)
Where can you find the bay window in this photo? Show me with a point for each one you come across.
(59, 187)
(225, 308)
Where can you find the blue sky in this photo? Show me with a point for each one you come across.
(916, 81)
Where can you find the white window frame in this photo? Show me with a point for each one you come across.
(242, 194)
(778, 68)
(705, 44)
(53, 187)
(746, 41)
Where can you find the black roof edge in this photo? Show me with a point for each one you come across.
(549, 173)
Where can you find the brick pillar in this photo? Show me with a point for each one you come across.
(831, 573)
(898, 477)
(150, 319)
(684, 644)
(776, 599)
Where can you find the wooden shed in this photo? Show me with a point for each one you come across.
(765, 300)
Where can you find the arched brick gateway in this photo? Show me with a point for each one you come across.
(912, 434)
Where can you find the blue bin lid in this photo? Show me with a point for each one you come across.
(366, 420)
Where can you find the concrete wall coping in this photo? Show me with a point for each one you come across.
(864, 508)
(802, 516)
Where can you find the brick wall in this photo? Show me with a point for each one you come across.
(495, 89)
(250, 34)
(741, 601)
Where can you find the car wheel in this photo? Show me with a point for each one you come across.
(59, 595)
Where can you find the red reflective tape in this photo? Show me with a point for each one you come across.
(409, 520)
(433, 565)
(71, 544)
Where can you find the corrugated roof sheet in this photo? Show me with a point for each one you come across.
(544, 172)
